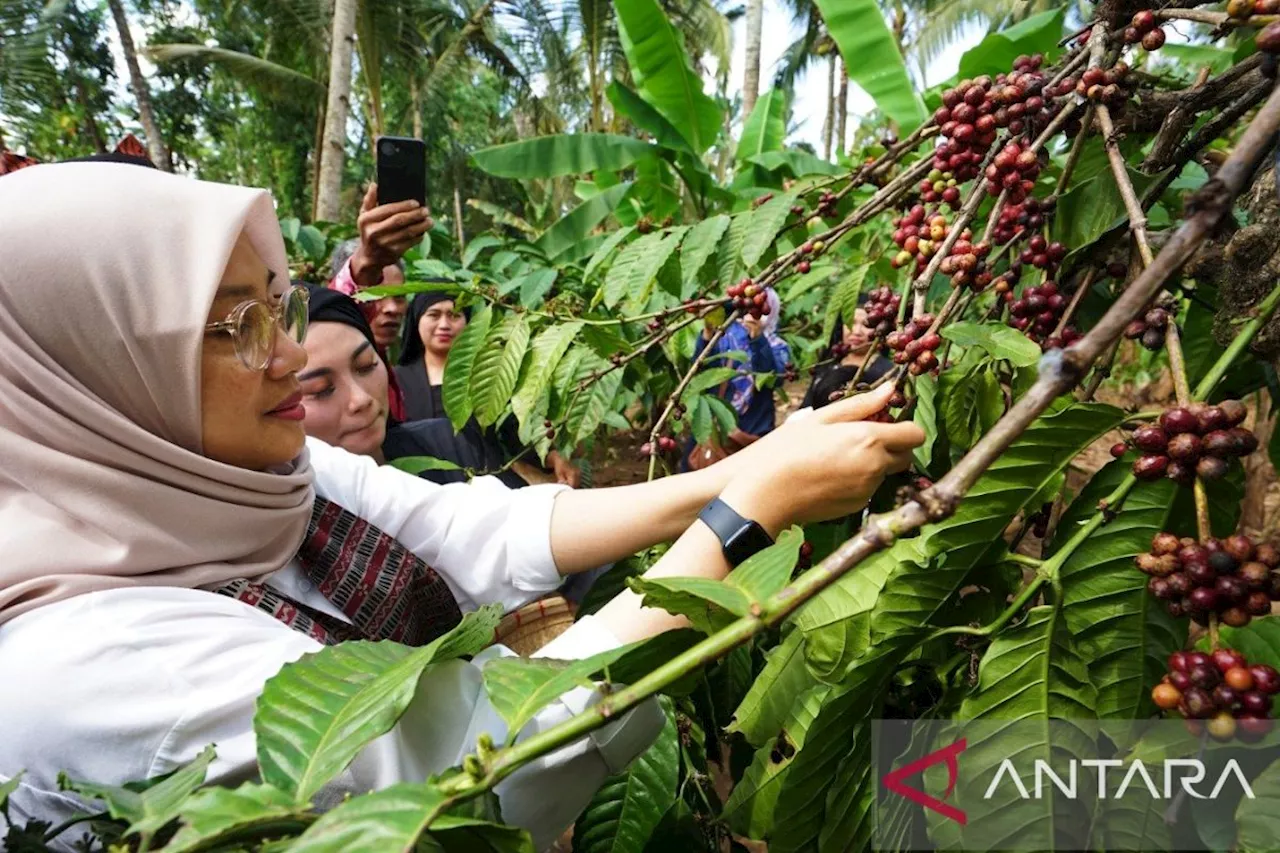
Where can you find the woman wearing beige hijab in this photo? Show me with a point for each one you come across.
(168, 541)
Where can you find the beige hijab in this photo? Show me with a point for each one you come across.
(107, 275)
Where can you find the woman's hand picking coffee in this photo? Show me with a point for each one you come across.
(822, 466)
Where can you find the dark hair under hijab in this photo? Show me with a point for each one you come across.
(411, 346)
(332, 306)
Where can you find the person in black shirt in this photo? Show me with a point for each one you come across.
(831, 378)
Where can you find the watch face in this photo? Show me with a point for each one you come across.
(750, 539)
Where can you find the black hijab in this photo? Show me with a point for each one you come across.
(411, 347)
(332, 306)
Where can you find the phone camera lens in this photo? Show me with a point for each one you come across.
(388, 148)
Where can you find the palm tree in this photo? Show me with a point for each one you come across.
(141, 92)
(333, 144)
(751, 76)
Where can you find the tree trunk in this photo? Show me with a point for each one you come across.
(751, 79)
(829, 126)
(597, 97)
(415, 98)
(141, 93)
(457, 218)
(842, 111)
(317, 145)
(333, 150)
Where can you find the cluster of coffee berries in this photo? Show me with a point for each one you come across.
(664, 444)
(1111, 86)
(764, 199)
(827, 203)
(749, 298)
(1193, 441)
(1021, 102)
(911, 490)
(804, 559)
(809, 249)
(915, 345)
(1220, 693)
(968, 126)
(1232, 577)
(1014, 170)
(1037, 313)
(1241, 9)
(1150, 329)
(940, 187)
(1038, 521)
(1016, 220)
(550, 428)
(1042, 254)
(918, 235)
(1145, 29)
(966, 263)
(882, 309)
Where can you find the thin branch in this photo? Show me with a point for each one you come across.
(1076, 299)
(1073, 157)
(1137, 217)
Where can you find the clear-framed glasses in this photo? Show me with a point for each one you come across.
(252, 326)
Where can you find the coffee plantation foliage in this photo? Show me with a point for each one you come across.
(1001, 217)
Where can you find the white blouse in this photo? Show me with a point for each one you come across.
(128, 684)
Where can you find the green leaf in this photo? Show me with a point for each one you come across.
(800, 163)
(476, 247)
(1192, 57)
(565, 154)
(9, 787)
(925, 416)
(545, 353)
(766, 127)
(999, 341)
(312, 242)
(915, 592)
(729, 257)
(996, 53)
(710, 605)
(750, 809)
(847, 293)
(634, 256)
(587, 409)
(497, 367)
(662, 74)
(697, 249)
(813, 802)
(1257, 820)
(1123, 632)
(289, 228)
(763, 710)
(418, 464)
(395, 818)
(765, 573)
(766, 222)
(320, 711)
(1259, 641)
(627, 103)
(607, 250)
(456, 390)
(211, 816)
(961, 393)
(707, 378)
(534, 286)
(273, 79)
(644, 271)
(628, 807)
(872, 56)
(820, 273)
(722, 415)
(576, 225)
(1092, 208)
(145, 811)
(1031, 672)
(518, 688)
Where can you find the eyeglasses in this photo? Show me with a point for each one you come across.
(252, 326)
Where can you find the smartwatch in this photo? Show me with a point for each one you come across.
(739, 537)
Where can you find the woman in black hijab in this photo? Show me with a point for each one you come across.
(345, 386)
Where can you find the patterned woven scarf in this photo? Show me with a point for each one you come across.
(386, 591)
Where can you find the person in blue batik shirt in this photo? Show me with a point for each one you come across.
(755, 407)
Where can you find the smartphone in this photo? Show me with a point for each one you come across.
(402, 169)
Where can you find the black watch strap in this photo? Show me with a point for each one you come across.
(739, 537)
